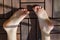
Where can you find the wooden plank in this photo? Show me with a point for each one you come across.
(32, 0)
(48, 6)
(1, 1)
(8, 5)
(24, 5)
(15, 3)
(56, 9)
(12, 3)
(1, 8)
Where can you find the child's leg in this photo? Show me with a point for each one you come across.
(46, 33)
(11, 33)
(14, 20)
(43, 19)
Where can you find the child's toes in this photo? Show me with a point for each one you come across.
(25, 11)
(37, 8)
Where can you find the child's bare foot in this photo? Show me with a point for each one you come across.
(15, 19)
(37, 9)
(25, 11)
(43, 17)
(20, 14)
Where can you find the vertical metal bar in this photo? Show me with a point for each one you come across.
(28, 28)
(36, 29)
(20, 23)
(20, 32)
(3, 8)
(44, 4)
(35, 24)
(52, 7)
(12, 5)
(20, 3)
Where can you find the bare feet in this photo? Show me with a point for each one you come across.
(43, 18)
(37, 9)
(16, 18)
(24, 11)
